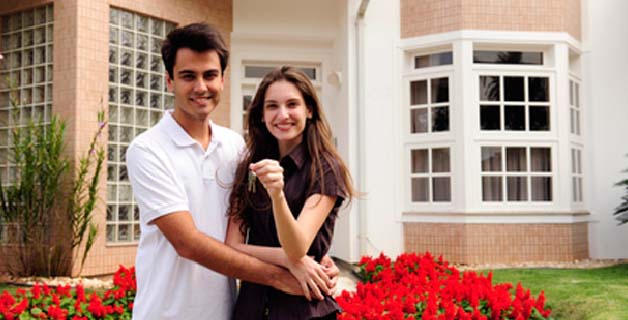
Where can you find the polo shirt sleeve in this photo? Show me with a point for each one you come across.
(154, 185)
(333, 185)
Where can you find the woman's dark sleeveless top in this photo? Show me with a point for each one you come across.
(256, 301)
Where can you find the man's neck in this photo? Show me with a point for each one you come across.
(198, 129)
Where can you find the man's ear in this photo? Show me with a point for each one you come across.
(169, 82)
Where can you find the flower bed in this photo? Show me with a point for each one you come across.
(65, 302)
(413, 287)
(424, 287)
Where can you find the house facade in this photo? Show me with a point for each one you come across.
(486, 131)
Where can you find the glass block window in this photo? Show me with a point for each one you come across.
(514, 103)
(508, 57)
(429, 105)
(574, 106)
(430, 175)
(576, 171)
(25, 76)
(137, 98)
(25, 80)
(516, 174)
(433, 60)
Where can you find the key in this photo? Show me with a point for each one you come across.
(252, 181)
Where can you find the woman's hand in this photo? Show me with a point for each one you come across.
(270, 175)
(311, 276)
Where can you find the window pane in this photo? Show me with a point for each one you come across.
(577, 94)
(491, 159)
(442, 189)
(418, 120)
(419, 161)
(508, 57)
(440, 90)
(541, 188)
(489, 118)
(515, 118)
(432, 60)
(538, 89)
(418, 92)
(579, 161)
(440, 119)
(420, 189)
(574, 189)
(571, 92)
(440, 160)
(513, 89)
(246, 101)
(516, 159)
(577, 122)
(539, 118)
(517, 188)
(573, 121)
(489, 88)
(257, 71)
(580, 187)
(541, 159)
(491, 188)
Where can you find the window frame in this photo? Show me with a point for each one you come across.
(430, 204)
(157, 91)
(503, 173)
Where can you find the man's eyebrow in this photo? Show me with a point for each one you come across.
(186, 71)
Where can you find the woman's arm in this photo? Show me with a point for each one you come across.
(312, 276)
(235, 239)
(295, 235)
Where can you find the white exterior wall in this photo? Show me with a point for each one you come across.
(605, 122)
(379, 103)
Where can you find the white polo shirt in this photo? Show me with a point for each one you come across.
(169, 171)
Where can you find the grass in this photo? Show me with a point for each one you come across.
(592, 294)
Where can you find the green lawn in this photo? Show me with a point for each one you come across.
(600, 294)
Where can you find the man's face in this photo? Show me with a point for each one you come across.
(197, 84)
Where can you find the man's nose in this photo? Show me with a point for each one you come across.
(199, 85)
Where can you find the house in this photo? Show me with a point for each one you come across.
(486, 131)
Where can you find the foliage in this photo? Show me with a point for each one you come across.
(621, 212)
(65, 302)
(46, 235)
(424, 287)
(29, 203)
(84, 196)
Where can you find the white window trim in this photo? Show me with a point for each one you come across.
(430, 205)
(525, 135)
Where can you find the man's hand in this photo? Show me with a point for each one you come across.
(332, 271)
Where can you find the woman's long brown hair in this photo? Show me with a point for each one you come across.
(261, 144)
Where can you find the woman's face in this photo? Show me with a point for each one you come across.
(285, 114)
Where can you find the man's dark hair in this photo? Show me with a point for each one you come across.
(199, 37)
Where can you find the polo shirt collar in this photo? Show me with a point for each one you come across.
(298, 155)
(180, 137)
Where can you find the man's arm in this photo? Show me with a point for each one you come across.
(190, 243)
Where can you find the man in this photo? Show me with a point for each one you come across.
(181, 171)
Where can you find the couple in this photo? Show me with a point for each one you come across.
(213, 209)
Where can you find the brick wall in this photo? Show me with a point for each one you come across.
(425, 17)
(498, 243)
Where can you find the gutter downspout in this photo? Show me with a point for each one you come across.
(360, 128)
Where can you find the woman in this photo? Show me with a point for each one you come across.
(286, 196)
